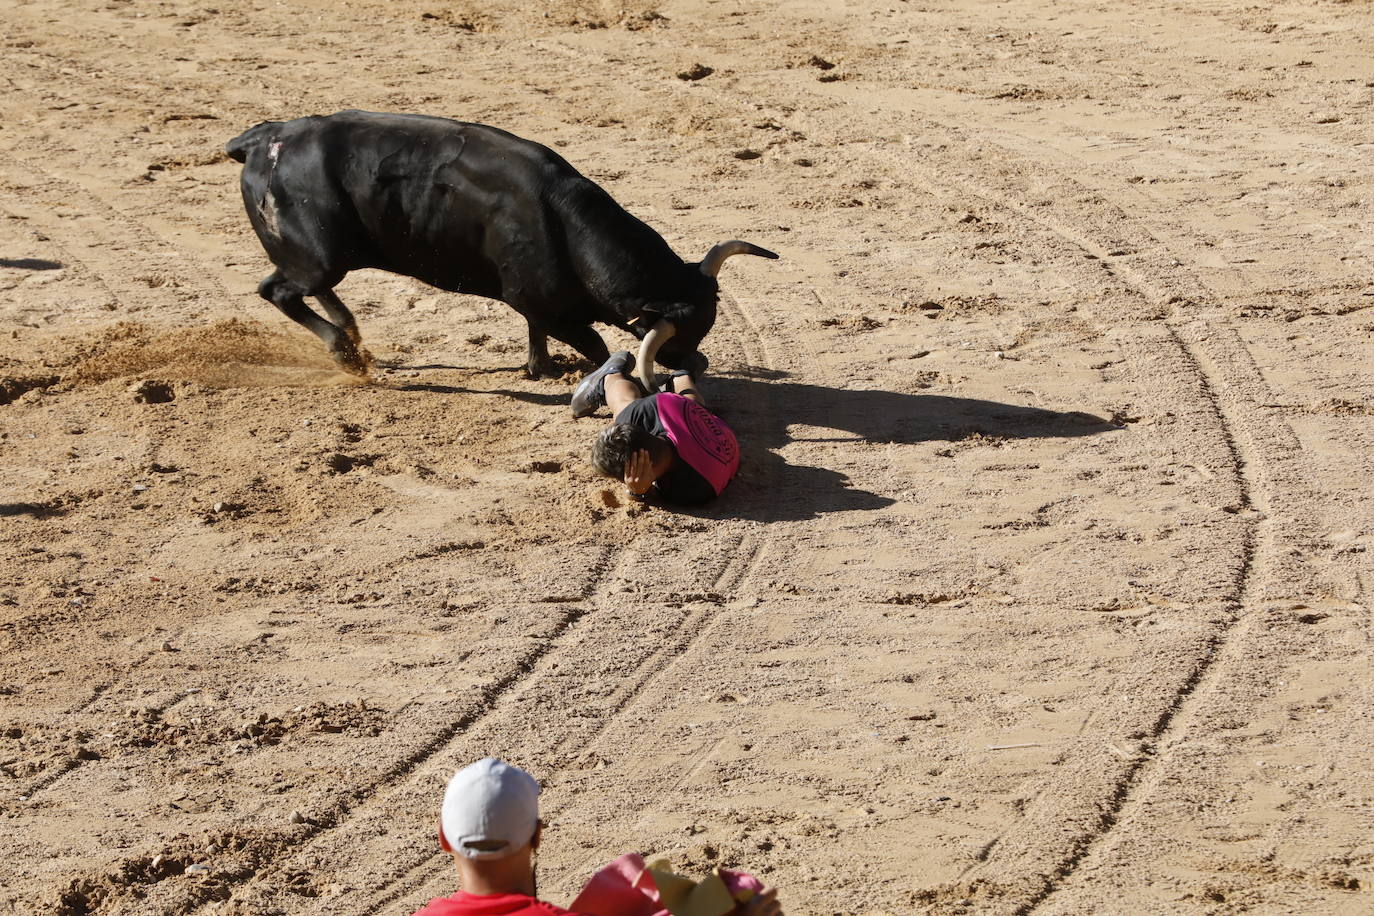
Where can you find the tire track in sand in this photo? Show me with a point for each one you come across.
(1255, 440)
(73, 762)
(1264, 453)
(429, 866)
(268, 846)
(694, 627)
(1233, 392)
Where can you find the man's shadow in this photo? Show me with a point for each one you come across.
(761, 406)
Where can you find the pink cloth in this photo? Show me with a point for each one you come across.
(701, 438)
(622, 888)
(626, 887)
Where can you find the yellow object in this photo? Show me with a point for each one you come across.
(685, 897)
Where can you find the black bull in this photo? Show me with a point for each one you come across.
(469, 209)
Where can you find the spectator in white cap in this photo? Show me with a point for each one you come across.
(490, 825)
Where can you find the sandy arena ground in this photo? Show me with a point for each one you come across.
(1045, 586)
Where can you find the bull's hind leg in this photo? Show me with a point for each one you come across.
(279, 291)
(340, 315)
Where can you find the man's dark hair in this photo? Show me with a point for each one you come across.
(614, 446)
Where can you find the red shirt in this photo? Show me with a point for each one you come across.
(465, 904)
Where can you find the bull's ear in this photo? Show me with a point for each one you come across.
(650, 313)
(646, 319)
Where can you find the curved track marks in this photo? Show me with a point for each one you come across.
(1232, 391)
(575, 697)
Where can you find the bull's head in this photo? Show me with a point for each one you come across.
(674, 338)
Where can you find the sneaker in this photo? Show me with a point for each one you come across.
(590, 393)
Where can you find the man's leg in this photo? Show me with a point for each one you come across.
(620, 391)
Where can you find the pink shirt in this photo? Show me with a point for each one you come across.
(701, 438)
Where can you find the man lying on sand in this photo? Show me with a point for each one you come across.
(490, 825)
(667, 441)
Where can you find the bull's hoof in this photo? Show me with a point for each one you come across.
(546, 368)
(354, 361)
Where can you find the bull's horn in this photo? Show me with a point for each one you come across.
(648, 350)
(710, 265)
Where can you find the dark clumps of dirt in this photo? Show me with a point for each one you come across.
(920, 598)
(569, 365)
(264, 585)
(1023, 93)
(1339, 407)
(990, 304)
(695, 72)
(150, 391)
(237, 854)
(339, 463)
(852, 323)
(26, 755)
(810, 60)
(147, 727)
(12, 387)
(1341, 880)
(466, 21)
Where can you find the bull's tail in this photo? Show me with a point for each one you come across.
(239, 147)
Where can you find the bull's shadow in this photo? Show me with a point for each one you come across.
(761, 407)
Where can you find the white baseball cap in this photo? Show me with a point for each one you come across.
(491, 809)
